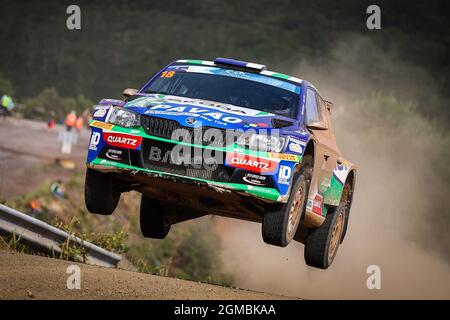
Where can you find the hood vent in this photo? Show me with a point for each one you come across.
(278, 123)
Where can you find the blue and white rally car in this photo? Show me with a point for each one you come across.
(229, 138)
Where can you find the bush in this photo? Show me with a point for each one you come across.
(50, 104)
(6, 86)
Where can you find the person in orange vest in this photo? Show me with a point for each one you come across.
(71, 120)
(79, 123)
(35, 207)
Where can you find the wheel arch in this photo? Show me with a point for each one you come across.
(308, 155)
(347, 197)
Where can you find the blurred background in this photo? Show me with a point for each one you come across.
(391, 117)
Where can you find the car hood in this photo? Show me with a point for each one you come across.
(196, 112)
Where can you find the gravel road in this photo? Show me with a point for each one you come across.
(32, 277)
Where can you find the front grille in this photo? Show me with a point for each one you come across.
(159, 127)
(156, 155)
(164, 128)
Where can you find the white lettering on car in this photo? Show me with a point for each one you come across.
(123, 140)
(194, 110)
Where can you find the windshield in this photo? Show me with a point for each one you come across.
(229, 89)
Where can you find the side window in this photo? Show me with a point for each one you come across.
(312, 113)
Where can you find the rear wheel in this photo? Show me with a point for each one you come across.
(153, 219)
(280, 225)
(99, 196)
(322, 244)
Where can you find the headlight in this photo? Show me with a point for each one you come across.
(124, 118)
(262, 142)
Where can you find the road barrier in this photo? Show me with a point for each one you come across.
(43, 236)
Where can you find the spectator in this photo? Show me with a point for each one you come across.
(57, 189)
(6, 105)
(71, 120)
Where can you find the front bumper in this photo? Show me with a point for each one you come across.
(228, 178)
(262, 193)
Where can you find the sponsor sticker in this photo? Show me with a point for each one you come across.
(317, 204)
(122, 140)
(100, 111)
(205, 113)
(309, 204)
(283, 156)
(102, 125)
(255, 179)
(251, 163)
(284, 175)
(114, 154)
(295, 145)
(95, 139)
(340, 172)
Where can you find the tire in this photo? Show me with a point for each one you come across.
(322, 244)
(153, 219)
(98, 192)
(280, 225)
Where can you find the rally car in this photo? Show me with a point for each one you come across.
(229, 138)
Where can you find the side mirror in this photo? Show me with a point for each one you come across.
(329, 105)
(129, 92)
(317, 125)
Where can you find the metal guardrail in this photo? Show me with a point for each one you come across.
(43, 236)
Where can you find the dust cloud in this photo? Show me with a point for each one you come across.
(391, 213)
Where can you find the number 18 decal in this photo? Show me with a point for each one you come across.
(167, 74)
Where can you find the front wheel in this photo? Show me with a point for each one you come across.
(280, 225)
(99, 196)
(322, 244)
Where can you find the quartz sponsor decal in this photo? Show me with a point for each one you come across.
(102, 125)
(122, 140)
(251, 163)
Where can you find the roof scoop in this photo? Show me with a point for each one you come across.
(241, 64)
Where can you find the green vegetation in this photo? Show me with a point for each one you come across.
(49, 103)
(6, 86)
(191, 251)
(13, 243)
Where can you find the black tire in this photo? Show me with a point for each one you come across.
(98, 192)
(153, 219)
(277, 228)
(322, 244)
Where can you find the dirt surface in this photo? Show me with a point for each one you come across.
(27, 150)
(32, 277)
